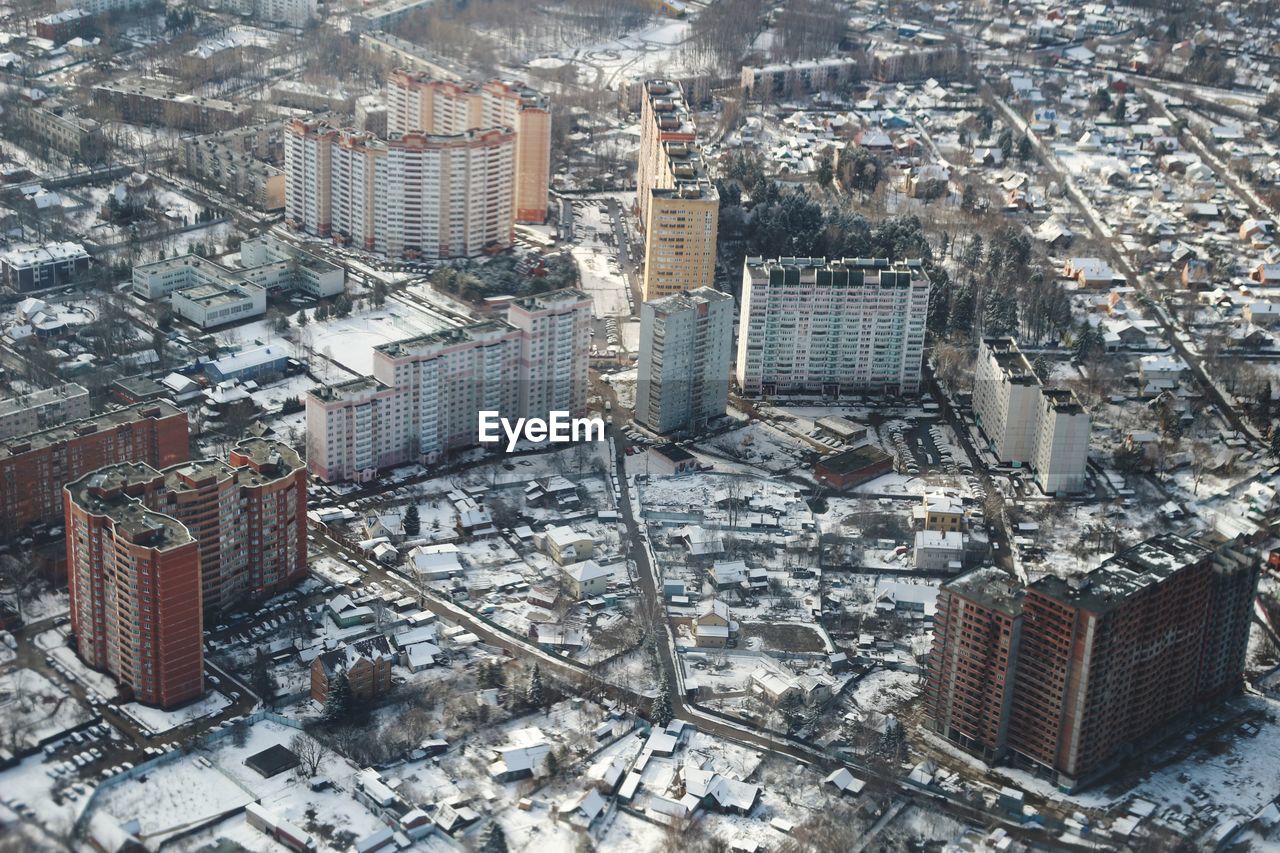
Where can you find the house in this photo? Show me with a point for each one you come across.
(700, 541)
(566, 545)
(367, 664)
(1195, 274)
(345, 613)
(583, 809)
(712, 625)
(1265, 273)
(776, 687)
(726, 575)
(554, 491)
(522, 757)
(387, 525)
(1090, 272)
(435, 562)
(1158, 373)
(586, 579)
(943, 513)
(845, 782)
(670, 460)
(1261, 313)
(938, 550)
(718, 792)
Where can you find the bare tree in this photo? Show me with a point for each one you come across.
(311, 753)
(20, 574)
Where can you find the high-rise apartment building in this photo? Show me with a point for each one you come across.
(1026, 423)
(34, 467)
(813, 326)
(678, 204)
(417, 101)
(134, 577)
(686, 355)
(149, 551)
(415, 195)
(1069, 675)
(249, 516)
(425, 393)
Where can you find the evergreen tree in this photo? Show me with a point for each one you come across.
(1024, 148)
(1275, 444)
(302, 317)
(412, 523)
(825, 172)
(662, 713)
(1001, 315)
(338, 704)
(533, 694)
(493, 839)
(1088, 343)
(961, 316)
(1041, 367)
(1005, 143)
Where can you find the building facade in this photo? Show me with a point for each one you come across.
(678, 204)
(1028, 424)
(414, 195)
(420, 102)
(43, 409)
(686, 357)
(423, 398)
(134, 579)
(268, 265)
(27, 268)
(812, 326)
(149, 551)
(34, 467)
(144, 103)
(1069, 676)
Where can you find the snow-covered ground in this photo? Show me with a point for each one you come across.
(157, 721)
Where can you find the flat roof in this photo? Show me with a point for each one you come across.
(99, 423)
(1146, 564)
(848, 461)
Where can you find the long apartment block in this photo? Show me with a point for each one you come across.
(423, 398)
(1045, 428)
(816, 327)
(42, 409)
(417, 101)
(34, 467)
(678, 203)
(415, 195)
(1067, 676)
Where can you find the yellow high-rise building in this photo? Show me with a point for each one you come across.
(678, 204)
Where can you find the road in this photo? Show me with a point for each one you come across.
(1140, 282)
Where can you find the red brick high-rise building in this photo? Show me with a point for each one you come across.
(35, 467)
(134, 576)
(1071, 675)
(147, 549)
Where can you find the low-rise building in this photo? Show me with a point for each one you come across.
(210, 305)
(712, 626)
(27, 268)
(586, 579)
(566, 545)
(853, 467)
(366, 663)
(943, 513)
(670, 460)
(937, 551)
(145, 103)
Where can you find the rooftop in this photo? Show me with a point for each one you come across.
(100, 423)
